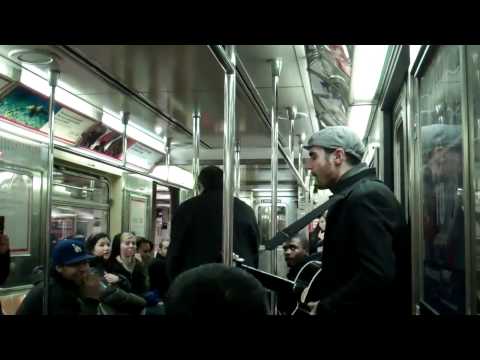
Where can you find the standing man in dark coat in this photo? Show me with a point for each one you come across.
(196, 234)
(366, 254)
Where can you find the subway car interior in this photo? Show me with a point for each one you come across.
(111, 139)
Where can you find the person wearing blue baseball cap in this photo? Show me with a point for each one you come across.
(70, 283)
(366, 253)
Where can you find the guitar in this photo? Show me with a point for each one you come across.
(301, 286)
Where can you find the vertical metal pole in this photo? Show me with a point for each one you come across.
(168, 149)
(300, 160)
(292, 114)
(125, 117)
(228, 149)
(196, 151)
(237, 170)
(51, 118)
(301, 170)
(467, 198)
(276, 69)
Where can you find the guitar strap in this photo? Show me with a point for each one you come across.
(298, 225)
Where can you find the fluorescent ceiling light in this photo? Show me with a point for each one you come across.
(19, 133)
(145, 137)
(358, 118)
(367, 68)
(35, 82)
(163, 197)
(174, 175)
(181, 177)
(40, 84)
(160, 172)
(6, 70)
(74, 102)
(133, 131)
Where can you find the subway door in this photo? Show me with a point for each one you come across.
(400, 150)
(137, 205)
(400, 174)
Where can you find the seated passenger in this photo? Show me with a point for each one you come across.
(123, 261)
(296, 255)
(215, 289)
(4, 258)
(163, 249)
(157, 271)
(145, 250)
(68, 286)
(115, 300)
(317, 235)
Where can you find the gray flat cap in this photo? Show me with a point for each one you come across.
(333, 137)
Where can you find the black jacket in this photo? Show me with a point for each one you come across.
(196, 234)
(366, 253)
(157, 273)
(287, 301)
(115, 300)
(4, 267)
(64, 299)
(137, 279)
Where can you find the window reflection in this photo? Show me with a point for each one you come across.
(442, 155)
(473, 56)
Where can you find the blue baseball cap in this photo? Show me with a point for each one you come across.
(70, 252)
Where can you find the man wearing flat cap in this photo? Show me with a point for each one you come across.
(366, 252)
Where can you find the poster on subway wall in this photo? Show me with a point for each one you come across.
(25, 107)
(103, 140)
(29, 109)
(69, 125)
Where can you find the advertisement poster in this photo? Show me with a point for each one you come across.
(26, 107)
(69, 125)
(138, 212)
(103, 140)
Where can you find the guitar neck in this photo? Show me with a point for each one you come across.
(270, 281)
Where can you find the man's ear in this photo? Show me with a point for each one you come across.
(339, 156)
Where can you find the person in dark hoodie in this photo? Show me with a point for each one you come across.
(119, 300)
(196, 233)
(69, 286)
